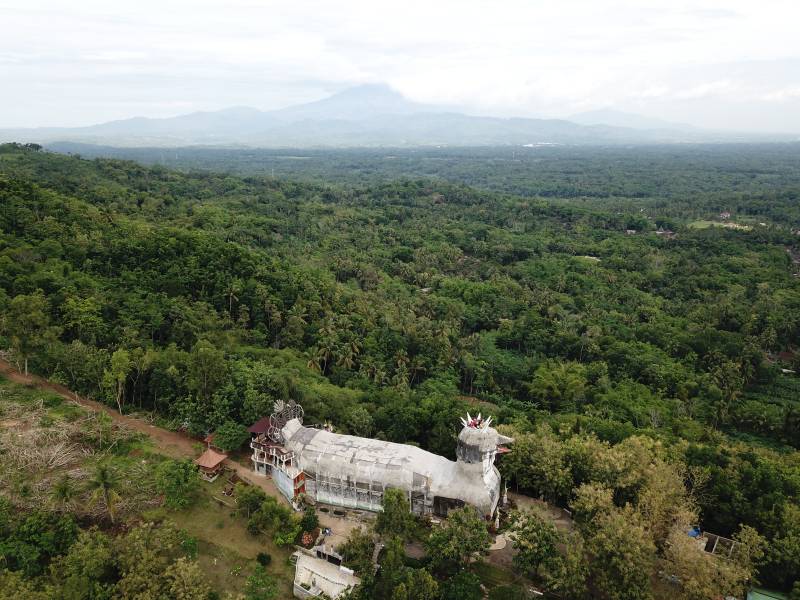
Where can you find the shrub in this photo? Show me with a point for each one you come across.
(189, 545)
(178, 481)
(310, 521)
(463, 586)
(260, 586)
(264, 559)
(508, 592)
(230, 436)
(249, 498)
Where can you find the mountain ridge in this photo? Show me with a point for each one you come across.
(369, 115)
(619, 118)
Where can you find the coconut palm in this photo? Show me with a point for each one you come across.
(63, 492)
(104, 484)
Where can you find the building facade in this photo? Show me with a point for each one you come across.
(320, 575)
(354, 472)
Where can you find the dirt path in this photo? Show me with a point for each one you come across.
(178, 445)
(557, 516)
(170, 443)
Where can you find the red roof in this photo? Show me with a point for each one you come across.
(210, 459)
(260, 426)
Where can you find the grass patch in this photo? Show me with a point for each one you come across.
(227, 552)
(226, 570)
(701, 224)
(494, 576)
(23, 394)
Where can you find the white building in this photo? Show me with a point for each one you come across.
(315, 576)
(354, 472)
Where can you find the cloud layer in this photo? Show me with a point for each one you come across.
(731, 65)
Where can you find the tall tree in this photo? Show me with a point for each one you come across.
(420, 585)
(104, 485)
(82, 316)
(206, 369)
(570, 574)
(178, 481)
(115, 377)
(230, 436)
(357, 550)
(559, 385)
(395, 518)
(185, 581)
(87, 570)
(622, 554)
(392, 570)
(462, 537)
(27, 323)
(535, 541)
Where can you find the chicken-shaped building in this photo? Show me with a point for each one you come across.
(354, 472)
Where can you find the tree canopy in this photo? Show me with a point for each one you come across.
(594, 300)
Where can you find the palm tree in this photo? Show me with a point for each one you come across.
(104, 483)
(234, 288)
(104, 424)
(416, 366)
(63, 492)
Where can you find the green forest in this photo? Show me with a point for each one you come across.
(690, 176)
(641, 347)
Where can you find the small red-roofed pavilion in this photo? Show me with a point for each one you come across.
(210, 464)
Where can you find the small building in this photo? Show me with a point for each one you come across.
(666, 233)
(260, 427)
(762, 594)
(328, 553)
(713, 543)
(273, 459)
(210, 464)
(315, 577)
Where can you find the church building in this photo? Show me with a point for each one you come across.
(353, 472)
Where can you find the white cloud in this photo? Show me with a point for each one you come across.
(783, 95)
(712, 88)
(85, 62)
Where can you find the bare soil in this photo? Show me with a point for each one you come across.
(179, 445)
(170, 443)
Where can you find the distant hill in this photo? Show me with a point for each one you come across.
(354, 104)
(372, 116)
(617, 118)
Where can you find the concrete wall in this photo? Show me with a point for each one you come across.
(301, 592)
(284, 483)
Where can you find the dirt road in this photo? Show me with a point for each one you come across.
(170, 443)
(177, 445)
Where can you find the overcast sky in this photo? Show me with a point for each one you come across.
(732, 65)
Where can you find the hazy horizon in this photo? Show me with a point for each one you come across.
(717, 65)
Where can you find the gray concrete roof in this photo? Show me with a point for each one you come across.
(390, 465)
